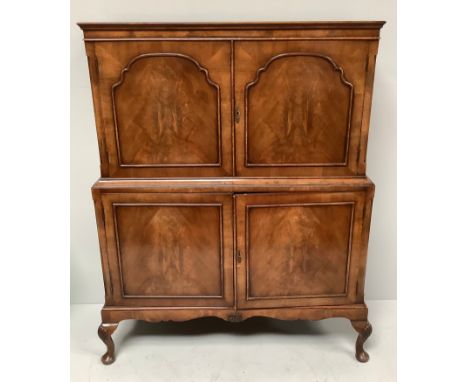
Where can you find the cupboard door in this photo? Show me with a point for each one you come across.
(300, 249)
(169, 250)
(300, 107)
(163, 108)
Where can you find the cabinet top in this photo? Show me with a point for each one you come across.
(346, 30)
(232, 25)
(288, 99)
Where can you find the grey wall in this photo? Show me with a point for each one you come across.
(86, 279)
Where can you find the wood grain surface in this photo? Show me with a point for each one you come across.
(167, 113)
(233, 164)
(169, 249)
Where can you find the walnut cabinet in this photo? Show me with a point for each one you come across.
(233, 170)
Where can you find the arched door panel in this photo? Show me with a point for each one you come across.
(300, 107)
(165, 108)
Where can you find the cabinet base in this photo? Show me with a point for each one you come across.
(112, 315)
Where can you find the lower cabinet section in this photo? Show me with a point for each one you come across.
(183, 250)
(239, 250)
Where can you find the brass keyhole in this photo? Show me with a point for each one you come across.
(237, 114)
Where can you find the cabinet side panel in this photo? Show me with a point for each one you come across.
(101, 229)
(93, 67)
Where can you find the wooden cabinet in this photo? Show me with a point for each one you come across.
(233, 170)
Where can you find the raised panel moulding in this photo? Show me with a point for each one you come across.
(123, 74)
(259, 74)
(174, 225)
(249, 296)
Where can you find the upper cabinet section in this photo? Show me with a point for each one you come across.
(195, 100)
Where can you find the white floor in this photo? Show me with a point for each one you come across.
(258, 349)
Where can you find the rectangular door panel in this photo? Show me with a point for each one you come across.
(164, 108)
(170, 250)
(299, 249)
(300, 106)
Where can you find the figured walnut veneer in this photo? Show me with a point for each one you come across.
(166, 113)
(170, 250)
(233, 162)
(305, 248)
(307, 123)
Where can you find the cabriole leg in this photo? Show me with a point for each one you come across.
(364, 328)
(105, 332)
